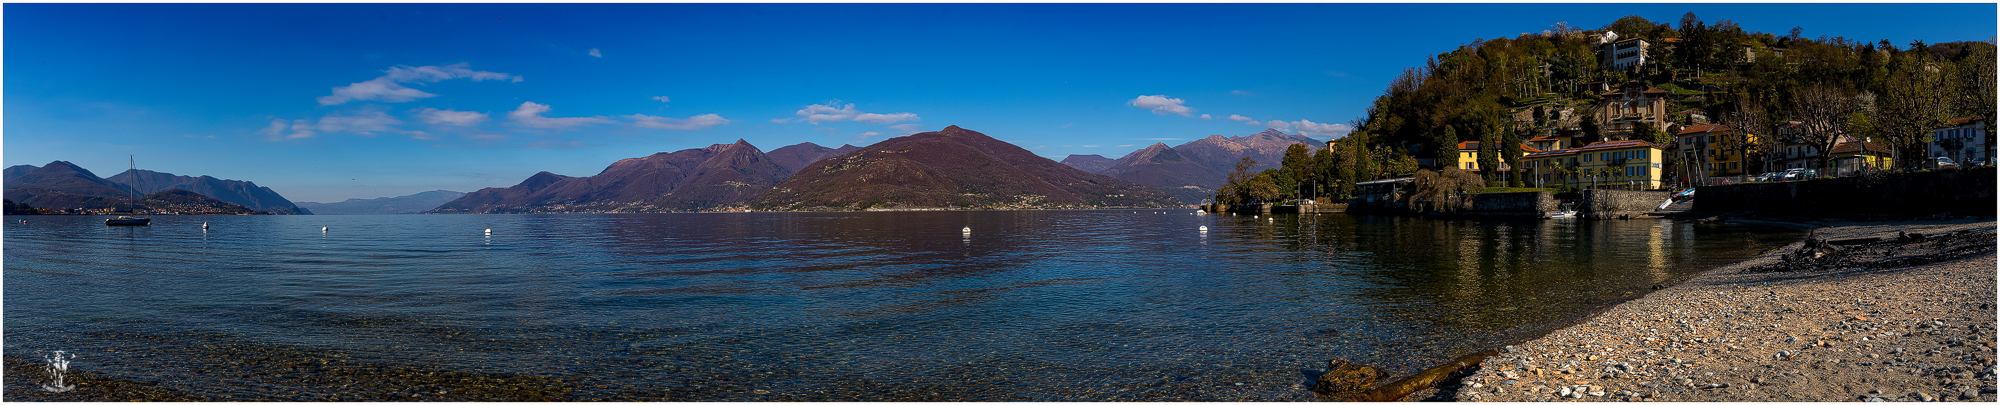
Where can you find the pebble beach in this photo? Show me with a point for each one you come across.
(1899, 318)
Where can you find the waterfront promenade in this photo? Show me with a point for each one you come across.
(1884, 326)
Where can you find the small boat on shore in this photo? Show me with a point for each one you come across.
(1565, 213)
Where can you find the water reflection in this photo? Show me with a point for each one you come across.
(1043, 305)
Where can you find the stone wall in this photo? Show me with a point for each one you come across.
(1532, 203)
(1967, 192)
(1619, 203)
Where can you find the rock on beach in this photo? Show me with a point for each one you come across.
(1895, 328)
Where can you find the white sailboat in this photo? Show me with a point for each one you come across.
(133, 190)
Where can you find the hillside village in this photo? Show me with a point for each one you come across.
(1638, 105)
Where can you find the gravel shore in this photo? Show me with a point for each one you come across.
(1893, 320)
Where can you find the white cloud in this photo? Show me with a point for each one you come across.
(1309, 128)
(1162, 105)
(661, 98)
(690, 123)
(1124, 146)
(388, 88)
(449, 117)
(817, 113)
(885, 118)
(1246, 120)
(907, 128)
(276, 130)
(834, 111)
(530, 115)
(866, 135)
(1239, 92)
(1206, 116)
(1090, 146)
(1278, 124)
(367, 123)
(595, 53)
(779, 120)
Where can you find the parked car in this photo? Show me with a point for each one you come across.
(1943, 163)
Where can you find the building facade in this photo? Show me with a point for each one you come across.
(1623, 55)
(1715, 149)
(1963, 141)
(1632, 112)
(1629, 164)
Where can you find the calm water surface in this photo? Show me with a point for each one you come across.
(1034, 305)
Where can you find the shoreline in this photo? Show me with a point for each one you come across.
(1734, 334)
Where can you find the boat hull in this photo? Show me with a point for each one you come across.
(129, 221)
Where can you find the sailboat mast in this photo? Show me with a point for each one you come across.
(132, 191)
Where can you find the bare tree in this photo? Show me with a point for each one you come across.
(1744, 122)
(1914, 102)
(1446, 190)
(1822, 112)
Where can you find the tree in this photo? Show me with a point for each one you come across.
(1298, 167)
(1489, 157)
(1510, 153)
(1742, 123)
(1914, 101)
(1232, 191)
(1822, 111)
(1447, 153)
(1445, 190)
(1976, 85)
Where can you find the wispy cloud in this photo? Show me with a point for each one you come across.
(1241, 93)
(661, 98)
(690, 123)
(388, 88)
(885, 118)
(449, 117)
(1309, 128)
(530, 115)
(1246, 120)
(833, 111)
(1162, 105)
(907, 128)
(1278, 124)
(866, 135)
(594, 53)
(365, 123)
(1156, 139)
(1206, 116)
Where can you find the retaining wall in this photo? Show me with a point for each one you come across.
(1967, 192)
(1619, 203)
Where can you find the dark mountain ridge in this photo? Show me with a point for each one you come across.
(718, 176)
(1089, 163)
(950, 168)
(409, 204)
(237, 192)
(1161, 167)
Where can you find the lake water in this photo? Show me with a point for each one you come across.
(887, 306)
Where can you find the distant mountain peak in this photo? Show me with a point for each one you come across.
(1272, 132)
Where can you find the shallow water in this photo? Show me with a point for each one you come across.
(1033, 305)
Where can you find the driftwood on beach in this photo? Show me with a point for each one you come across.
(1426, 379)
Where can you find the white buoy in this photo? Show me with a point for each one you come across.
(204, 226)
(322, 229)
(489, 231)
(1204, 229)
(966, 230)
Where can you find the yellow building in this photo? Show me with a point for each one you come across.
(1468, 156)
(1861, 156)
(1714, 148)
(1634, 165)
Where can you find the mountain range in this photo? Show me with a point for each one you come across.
(716, 177)
(64, 185)
(409, 204)
(1192, 171)
(237, 192)
(950, 168)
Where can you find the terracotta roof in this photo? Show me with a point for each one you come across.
(1543, 138)
(1529, 149)
(1852, 147)
(1694, 129)
(1960, 121)
(1618, 145)
(1670, 40)
(1627, 40)
(1654, 90)
(1468, 145)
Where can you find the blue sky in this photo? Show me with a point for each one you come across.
(324, 102)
